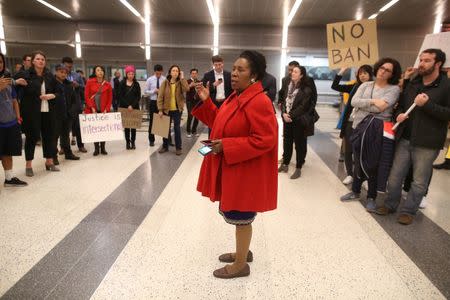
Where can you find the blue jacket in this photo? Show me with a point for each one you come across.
(374, 151)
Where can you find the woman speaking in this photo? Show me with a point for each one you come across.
(241, 172)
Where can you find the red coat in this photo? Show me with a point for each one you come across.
(92, 86)
(244, 177)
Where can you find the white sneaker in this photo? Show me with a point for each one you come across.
(423, 203)
(365, 185)
(189, 135)
(347, 180)
(197, 134)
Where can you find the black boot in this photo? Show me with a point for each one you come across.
(97, 149)
(103, 151)
(128, 145)
(133, 145)
(444, 166)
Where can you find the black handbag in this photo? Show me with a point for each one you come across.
(309, 118)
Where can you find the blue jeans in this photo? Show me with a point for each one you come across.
(174, 115)
(421, 160)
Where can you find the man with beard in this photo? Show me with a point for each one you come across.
(420, 135)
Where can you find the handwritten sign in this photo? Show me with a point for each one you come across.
(352, 44)
(101, 127)
(131, 119)
(438, 41)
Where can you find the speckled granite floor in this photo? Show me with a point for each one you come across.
(133, 227)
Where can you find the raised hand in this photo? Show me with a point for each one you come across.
(409, 72)
(202, 92)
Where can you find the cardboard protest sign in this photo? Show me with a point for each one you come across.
(101, 127)
(131, 119)
(352, 44)
(437, 40)
(161, 125)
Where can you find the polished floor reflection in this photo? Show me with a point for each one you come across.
(130, 225)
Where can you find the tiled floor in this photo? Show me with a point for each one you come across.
(131, 226)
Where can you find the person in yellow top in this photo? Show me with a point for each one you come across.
(171, 102)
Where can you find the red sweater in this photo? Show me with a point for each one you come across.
(92, 86)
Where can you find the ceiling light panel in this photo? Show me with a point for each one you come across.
(54, 8)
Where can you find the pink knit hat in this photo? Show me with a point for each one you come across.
(129, 69)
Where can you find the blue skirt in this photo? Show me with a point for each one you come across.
(235, 217)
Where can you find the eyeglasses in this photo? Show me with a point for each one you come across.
(385, 70)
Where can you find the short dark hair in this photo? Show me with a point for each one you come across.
(294, 63)
(256, 61)
(79, 71)
(37, 52)
(193, 69)
(364, 68)
(67, 59)
(396, 71)
(439, 55)
(217, 58)
(25, 56)
(157, 68)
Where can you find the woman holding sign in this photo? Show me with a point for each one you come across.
(98, 97)
(129, 96)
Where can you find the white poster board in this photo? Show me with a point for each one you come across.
(101, 127)
(436, 40)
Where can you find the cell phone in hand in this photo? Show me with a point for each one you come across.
(205, 150)
(220, 79)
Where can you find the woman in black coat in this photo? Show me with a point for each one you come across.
(38, 111)
(129, 97)
(298, 104)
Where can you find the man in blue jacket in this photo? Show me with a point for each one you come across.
(420, 135)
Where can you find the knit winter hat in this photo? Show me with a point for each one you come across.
(129, 69)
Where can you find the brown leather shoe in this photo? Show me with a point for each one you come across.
(228, 257)
(178, 152)
(82, 149)
(162, 150)
(383, 211)
(223, 273)
(405, 219)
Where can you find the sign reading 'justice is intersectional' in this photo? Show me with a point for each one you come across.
(101, 127)
(352, 44)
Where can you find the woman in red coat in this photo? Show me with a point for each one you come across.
(241, 172)
(98, 97)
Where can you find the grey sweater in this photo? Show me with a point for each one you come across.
(365, 93)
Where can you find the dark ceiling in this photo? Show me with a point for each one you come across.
(312, 13)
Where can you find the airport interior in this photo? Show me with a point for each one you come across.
(148, 149)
